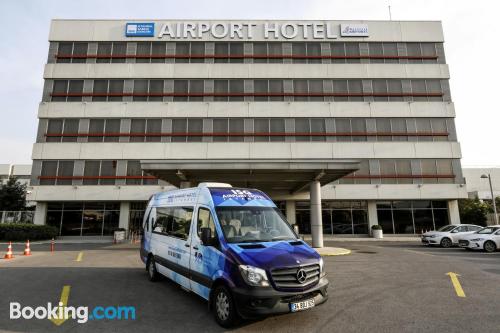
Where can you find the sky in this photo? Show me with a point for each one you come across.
(470, 30)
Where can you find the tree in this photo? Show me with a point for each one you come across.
(473, 211)
(12, 195)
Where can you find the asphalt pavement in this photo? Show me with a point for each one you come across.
(379, 287)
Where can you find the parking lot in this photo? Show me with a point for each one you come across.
(379, 287)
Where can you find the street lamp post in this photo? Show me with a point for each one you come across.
(488, 176)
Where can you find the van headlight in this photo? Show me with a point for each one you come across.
(254, 276)
(322, 272)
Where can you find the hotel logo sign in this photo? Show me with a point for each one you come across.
(140, 30)
(354, 30)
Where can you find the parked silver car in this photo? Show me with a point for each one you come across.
(487, 239)
(449, 235)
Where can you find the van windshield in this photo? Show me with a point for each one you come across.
(254, 224)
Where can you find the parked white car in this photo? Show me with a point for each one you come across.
(487, 239)
(449, 235)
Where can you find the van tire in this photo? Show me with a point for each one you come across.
(153, 274)
(225, 312)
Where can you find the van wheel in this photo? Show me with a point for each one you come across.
(489, 246)
(223, 307)
(152, 272)
(446, 242)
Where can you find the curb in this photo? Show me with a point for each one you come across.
(336, 252)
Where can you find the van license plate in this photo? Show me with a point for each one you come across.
(304, 305)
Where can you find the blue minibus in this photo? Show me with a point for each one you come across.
(233, 247)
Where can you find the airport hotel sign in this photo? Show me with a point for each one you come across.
(246, 30)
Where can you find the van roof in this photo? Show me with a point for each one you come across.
(209, 184)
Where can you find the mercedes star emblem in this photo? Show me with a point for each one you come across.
(301, 276)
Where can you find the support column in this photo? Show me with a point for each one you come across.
(124, 215)
(316, 217)
(290, 212)
(40, 213)
(453, 213)
(372, 215)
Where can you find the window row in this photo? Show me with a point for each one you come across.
(251, 52)
(346, 217)
(412, 217)
(374, 171)
(388, 90)
(404, 171)
(94, 172)
(246, 129)
(84, 218)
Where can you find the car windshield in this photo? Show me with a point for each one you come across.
(447, 228)
(487, 231)
(254, 224)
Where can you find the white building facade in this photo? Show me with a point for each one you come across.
(361, 108)
(22, 172)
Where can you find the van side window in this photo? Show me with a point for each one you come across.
(173, 221)
(205, 221)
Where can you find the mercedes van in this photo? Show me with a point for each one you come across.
(233, 247)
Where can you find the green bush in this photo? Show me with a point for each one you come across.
(23, 232)
(376, 227)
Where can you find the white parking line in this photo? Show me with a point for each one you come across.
(418, 252)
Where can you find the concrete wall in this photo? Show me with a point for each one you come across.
(245, 150)
(246, 71)
(245, 109)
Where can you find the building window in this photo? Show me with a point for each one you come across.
(339, 217)
(91, 172)
(84, 218)
(56, 173)
(99, 172)
(136, 176)
(48, 173)
(411, 217)
(69, 52)
(62, 130)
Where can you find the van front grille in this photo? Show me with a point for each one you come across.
(286, 278)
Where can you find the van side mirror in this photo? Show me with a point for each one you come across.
(206, 237)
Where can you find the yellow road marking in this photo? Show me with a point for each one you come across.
(456, 284)
(64, 300)
(80, 256)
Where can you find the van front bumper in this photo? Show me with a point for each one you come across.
(258, 302)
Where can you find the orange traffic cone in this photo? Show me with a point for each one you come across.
(27, 250)
(9, 254)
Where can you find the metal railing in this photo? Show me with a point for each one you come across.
(24, 216)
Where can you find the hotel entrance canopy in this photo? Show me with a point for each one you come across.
(283, 175)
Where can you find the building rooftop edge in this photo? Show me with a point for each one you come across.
(246, 20)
